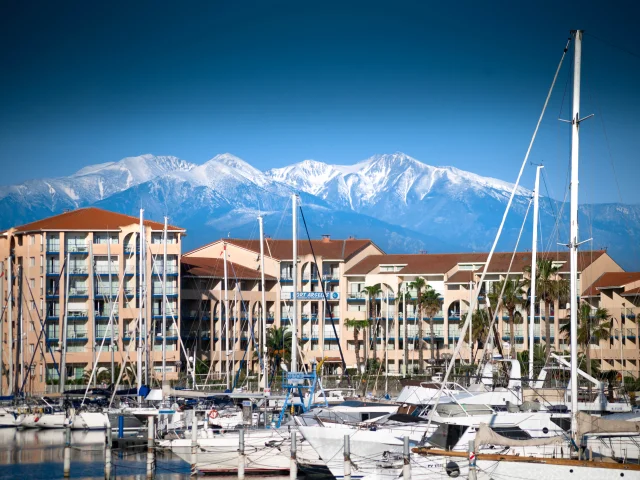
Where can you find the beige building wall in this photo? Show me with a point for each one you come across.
(41, 257)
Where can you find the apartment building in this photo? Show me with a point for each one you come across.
(85, 265)
(619, 293)
(203, 295)
(348, 266)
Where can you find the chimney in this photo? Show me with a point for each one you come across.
(423, 252)
(326, 238)
(351, 237)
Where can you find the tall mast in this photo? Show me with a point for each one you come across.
(164, 304)
(573, 244)
(63, 337)
(1, 322)
(263, 340)
(226, 314)
(294, 317)
(234, 323)
(113, 368)
(10, 319)
(405, 348)
(140, 304)
(20, 331)
(386, 348)
(534, 265)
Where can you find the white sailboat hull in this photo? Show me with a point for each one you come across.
(267, 451)
(89, 421)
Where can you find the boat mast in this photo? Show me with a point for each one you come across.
(141, 303)
(63, 337)
(20, 332)
(10, 319)
(294, 317)
(226, 313)
(405, 348)
(386, 348)
(573, 245)
(2, 307)
(263, 340)
(113, 368)
(534, 266)
(164, 304)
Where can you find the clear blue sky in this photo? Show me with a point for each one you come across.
(450, 83)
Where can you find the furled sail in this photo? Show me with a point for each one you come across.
(590, 424)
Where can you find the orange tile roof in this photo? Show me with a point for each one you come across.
(282, 249)
(611, 280)
(214, 267)
(439, 263)
(461, 276)
(631, 293)
(89, 219)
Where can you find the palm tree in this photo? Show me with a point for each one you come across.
(278, 348)
(480, 328)
(357, 325)
(372, 291)
(538, 359)
(511, 298)
(432, 304)
(549, 287)
(401, 298)
(418, 284)
(592, 325)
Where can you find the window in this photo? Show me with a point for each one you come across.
(32, 283)
(32, 261)
(32, 348)
(32, 239)
(32, 305)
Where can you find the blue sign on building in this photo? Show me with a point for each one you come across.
(310, 296)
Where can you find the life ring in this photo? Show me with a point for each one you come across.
(213, 414)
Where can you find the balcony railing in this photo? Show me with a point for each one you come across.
(78, 270)
(78, 248)
(76, 333)
(77, 314)
(105, 332)
(78, 291)
(52, 332)
(53, 248)
(168, 291)
(171, 312)
(53, 269)
(159, 269)
(356, 296)
(327, 277)
(106, 313)
(104, 269)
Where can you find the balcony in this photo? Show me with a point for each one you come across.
(106, 292)
(129, 291)
(330, 277)
(286, 277)
(169, 291)
(53, 294)
(309, 277)
(129, 270)
(106, 314)
(78, 315)
(77, 248)
(159, 270)
(53, 248)
(78, 292)
(356, 297)
(77, 334)
(171, 312)
(78, 270)
(129, 249)
(103, 331)
(53, 270)
(172, 332)
(53, 315)
(104, 269)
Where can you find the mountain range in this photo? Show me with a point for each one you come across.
(402, 204)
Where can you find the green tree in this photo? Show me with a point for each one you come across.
(432, 304)
(511, 298)
(549, 287)
(480, 321)
(357, 326)
(372, 291)
(592, 325)
(418, 284)
(538, 359)
(278, 347)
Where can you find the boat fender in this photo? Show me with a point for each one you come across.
(452, 469)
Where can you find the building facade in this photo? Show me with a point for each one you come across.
(323, 330)
(84, 268)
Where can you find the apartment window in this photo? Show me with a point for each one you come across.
(104, 238)
(32, 239)
(32, 326)
(32, 305)
(32, 283)
(32, 261)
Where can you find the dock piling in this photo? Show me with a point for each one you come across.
(194, 445)
(473, 474)
(293, 469)
(347, 457)
(107, 454)
(67, 451)
(150, 447)
(406, 456)
(120, 426)
(241, 457)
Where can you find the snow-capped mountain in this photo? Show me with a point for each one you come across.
(402, 204)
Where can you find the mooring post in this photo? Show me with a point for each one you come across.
(107, 452)
(293, 469)
(347, 457)
(194, 445)
(406, 456)
(120, 426)
(473, 474)
(241, 458)
(67, 451)
(150, 447)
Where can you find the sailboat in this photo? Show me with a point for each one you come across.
(576, 459)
